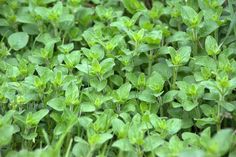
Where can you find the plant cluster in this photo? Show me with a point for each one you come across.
(105, 78)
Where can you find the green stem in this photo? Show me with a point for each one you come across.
(150, 59)
(195, 42)
(55, 29)
(195, 48)
(69, 147)
(218, 125)
(104, 150)
(198, 111)
(179, 26)
(175, 73)
(161, 106)
(140, 154)
(90, 153)
(216, 34)
(121, 154)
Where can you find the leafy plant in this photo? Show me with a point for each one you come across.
(129, 78)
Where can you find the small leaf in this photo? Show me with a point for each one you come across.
(132, 5)
(104, 137)
(221, 137)
(85, 121)
(185, 53)
(211, 46)
(6, 134)
(192, 152)
(169, 96)
(107, 65)
(37, 116)
(178, 36)
(147, 96)
(207, 28)
(123, 145)
(123, 91)
(97, 84)
(152, 142)
(81, 148)
(189, 16)
(18, 40)
(228, 106)
(155, 82)
(72, 93)
(57, 104)
(174, 125)
(87, 107)
(153, 37)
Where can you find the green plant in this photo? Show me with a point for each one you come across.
(84, 78)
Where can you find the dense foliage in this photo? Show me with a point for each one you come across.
(125, 78)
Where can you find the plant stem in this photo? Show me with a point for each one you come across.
(195, 43)
(90, 153)
(175, 73)
(140, 154)
(120, 154)
(216, 35)
(161, 106)
(150, 59)
(104, 150)
(69, 147)
(218, 125)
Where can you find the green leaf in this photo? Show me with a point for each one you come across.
(33, 119)
(123, 145)
(178, 36)
(211, 46)
(66, 48)
(107, 65)
(6, 134)
(72, 93)
(97, 84)
(85, 68)
(163, 69)
(81, 148)
(30, 136)
(18, 40)
(221, 137)
(152, 142)
(85, 121)
(189, 16)
(39, 115)
(232, 154)
(103, 138)
(87, 107)
(174, 125)
(123, 91)
(117, 125)
(47, 39)
(185, 53)
(188, 105)
(181, 56)
(155, 82)
(228, 106)
(132, 5)
(147, 96)
(3, 22)
(192, 152)
(169, 96)
(57, 104)
(153, 37)
(207, 28)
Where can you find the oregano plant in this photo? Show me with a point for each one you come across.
(125, 78)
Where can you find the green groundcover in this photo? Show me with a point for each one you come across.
(125, 78)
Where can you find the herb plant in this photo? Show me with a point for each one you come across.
(126, 78)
